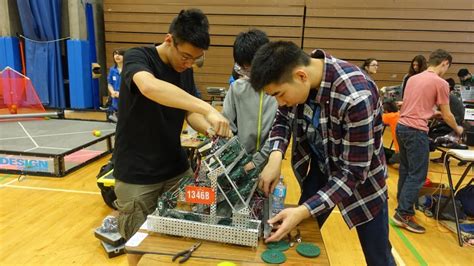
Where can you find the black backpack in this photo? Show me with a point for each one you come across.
(108, 193)
(466, 196)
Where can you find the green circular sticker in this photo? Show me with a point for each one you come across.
(281, 245)
(308, 250)
(273, 256)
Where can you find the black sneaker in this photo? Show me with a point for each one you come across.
(409, 223)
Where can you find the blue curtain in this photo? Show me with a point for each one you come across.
(41, 22)
(93, 53)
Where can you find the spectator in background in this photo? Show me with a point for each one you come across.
(423, 92)
(455, 104)
(370, 66)
(390, 117)
(418, 65)
(439, 127)
(113, 83)
(465, 77)
(250, 113)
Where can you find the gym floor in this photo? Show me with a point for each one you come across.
(46, 221)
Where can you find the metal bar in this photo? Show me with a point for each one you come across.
(28, 115)
(451, 189)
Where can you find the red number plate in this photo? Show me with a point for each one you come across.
(201, 195)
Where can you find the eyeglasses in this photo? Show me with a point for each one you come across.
(188, 58)
(242, 71)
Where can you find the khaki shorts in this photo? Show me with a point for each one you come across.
(134, 202)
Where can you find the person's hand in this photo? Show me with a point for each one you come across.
(249, 166)
(459, 130)
(289, 219)
(115, 94)
(220, 125)
(271, 173)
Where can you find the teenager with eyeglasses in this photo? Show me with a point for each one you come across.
(370, 66)
(157, 94)
(250, 113)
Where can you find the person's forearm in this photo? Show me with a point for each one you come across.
(198, 122)
(451, 121)
(275, 157)
(110, 89)
(303, 212)
(281, 130)
(261, 156)
(170, 95)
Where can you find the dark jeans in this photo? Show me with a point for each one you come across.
(373, 235)
(414, 161)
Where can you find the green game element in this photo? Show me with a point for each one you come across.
(192, 217)
(281, 245)
(308, 250)
(273, 256)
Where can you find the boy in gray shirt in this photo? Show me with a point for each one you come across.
(250, 113)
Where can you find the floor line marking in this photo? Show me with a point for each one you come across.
(30, 149)
(58, 134)
(408, 244)
(28, 134)
(8, 183)
(52, 189)
(397, 257)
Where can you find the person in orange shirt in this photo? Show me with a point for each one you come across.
(390, 117)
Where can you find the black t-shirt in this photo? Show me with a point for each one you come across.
(147, 144)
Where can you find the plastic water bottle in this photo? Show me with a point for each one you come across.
(278, 197)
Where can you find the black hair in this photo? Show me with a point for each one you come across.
(422, 66)
(119, 52)
(191, 26)
(463, 72)
(451, 83)
(246, 45)
(438, 56)
(390, 106)
(274, 63)
(367, 62)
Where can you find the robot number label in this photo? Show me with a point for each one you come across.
(201, 195)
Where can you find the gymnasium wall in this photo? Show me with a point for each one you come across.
(393, 31)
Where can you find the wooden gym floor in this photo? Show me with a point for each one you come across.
(50, 221)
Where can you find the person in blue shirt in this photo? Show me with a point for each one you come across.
(113, 80)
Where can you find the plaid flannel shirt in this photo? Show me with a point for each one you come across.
(351, 130)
